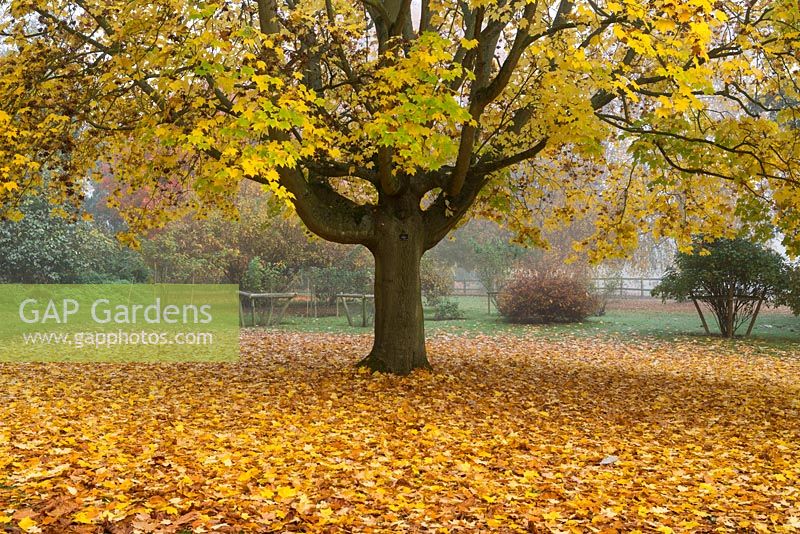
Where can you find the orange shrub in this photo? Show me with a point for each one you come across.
(544, 297)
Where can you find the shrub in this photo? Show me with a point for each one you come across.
(731, 277)
(436, 280)
(791, 297)
(264, 277)
(546, 296)
(447, 309)
(330, 281)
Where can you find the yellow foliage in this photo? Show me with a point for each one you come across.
(641, 110)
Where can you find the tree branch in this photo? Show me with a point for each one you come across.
(268, 16)
(325, 212)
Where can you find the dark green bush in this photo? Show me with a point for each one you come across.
(730, 277)
(44, 248)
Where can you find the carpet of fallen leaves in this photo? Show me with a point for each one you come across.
(507, 434)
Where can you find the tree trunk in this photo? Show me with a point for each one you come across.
(729, 330)
(399, 345)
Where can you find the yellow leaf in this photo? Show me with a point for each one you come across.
(665, 25)
(530, 475)
(26, 524)
(247, 475)
(469, 44)
(702, 30)
(271, 175)
(286, 492)
(86, 516)
(681, 104)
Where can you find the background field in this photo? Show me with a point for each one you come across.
(624, 317)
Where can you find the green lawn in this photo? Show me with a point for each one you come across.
(772, 329)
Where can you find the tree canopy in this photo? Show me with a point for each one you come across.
(395, 118)
(618, 107)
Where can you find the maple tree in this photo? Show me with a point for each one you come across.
(383, 123)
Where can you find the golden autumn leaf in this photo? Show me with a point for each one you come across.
(27, 524)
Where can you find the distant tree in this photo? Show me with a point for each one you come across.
(481, 247)
(458, 249)
(327, 282)
(436, 280)
(732, 277)
(99, 203)
(265, 277)
(494, 260)
(218, 249)
(791, 297)
(191, 251)
(105, 259)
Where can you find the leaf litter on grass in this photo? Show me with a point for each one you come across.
(508, 433)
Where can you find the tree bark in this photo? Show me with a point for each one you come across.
(729, 320)
(702, 317)
(399, 345)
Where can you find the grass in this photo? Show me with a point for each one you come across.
(623, 319)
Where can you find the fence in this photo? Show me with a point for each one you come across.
(468, 287)
(626, 287)
(622, 287)
(272, 307)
